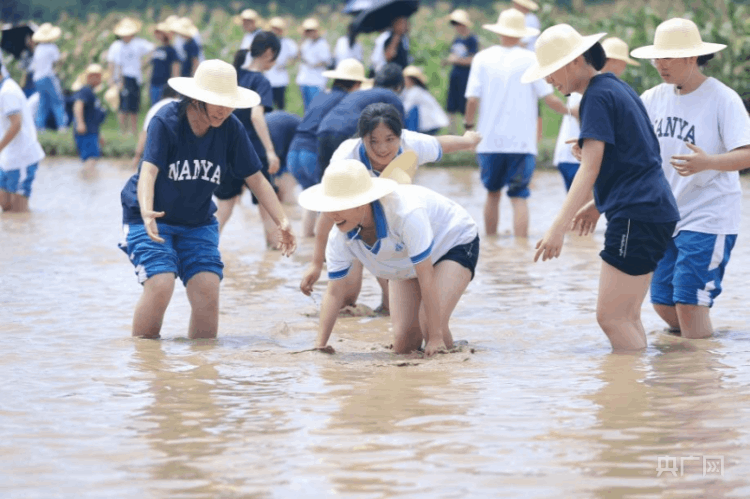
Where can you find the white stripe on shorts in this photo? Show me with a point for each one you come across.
(718, 255)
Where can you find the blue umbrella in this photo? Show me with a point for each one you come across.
(381, 14)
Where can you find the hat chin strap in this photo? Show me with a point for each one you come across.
(679, 87)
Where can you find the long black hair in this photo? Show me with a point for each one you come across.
(375, 114)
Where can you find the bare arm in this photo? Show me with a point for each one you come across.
(139, 148)
(556, 104)
(455, 143)
(322, 228)
(78, 113)
(268, 199)
(146, 181)
(426, 277)
(13, 129)
(333, 300)
(472, 104)
(175, 69)
(258, 118)
(392, 49)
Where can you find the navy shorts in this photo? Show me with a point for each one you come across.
(635, 247)
(514, 170)
(568, 172)
(88, 146)
(465, 255)
(130, 96)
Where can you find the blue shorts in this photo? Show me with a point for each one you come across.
(185, 252)
(514, 170)
(18, 181)
(568, 172)
(88, 146)
(465, 255)
(635, 247)
(692, 269)
(303, 164)
(130, 96)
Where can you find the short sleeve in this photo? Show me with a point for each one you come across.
(264, 90)
(12, 104)
(734, 122)
(474, 84)
(146, 47)
(339, 258)
(242, 156)
(157, 144)
(597, 118)
(472, 45)
(427, 147)
(417, 235)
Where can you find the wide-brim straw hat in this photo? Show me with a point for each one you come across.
(527, 3)
(512, 23)
(615, 48)
(403, 168)
(184, 27)
(215, 82)
(112, 98)
(415, 72)
(310, 23)
(348, 69)
(460, 16)
(277, 22)
(127, 27)
(80, 80)
(557, 46)
(163, 27)
(346, 184)
(249, 15)
(46, 33)
(677, 38)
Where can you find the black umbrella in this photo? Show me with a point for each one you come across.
(382, 13)
(354, 7)
(14, 39)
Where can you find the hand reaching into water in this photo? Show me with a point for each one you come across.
(312, 274)
(287, 241)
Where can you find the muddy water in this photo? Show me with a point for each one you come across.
(539, 408)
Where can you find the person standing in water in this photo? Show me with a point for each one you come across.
(465, 46)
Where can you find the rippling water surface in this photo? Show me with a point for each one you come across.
(535, 406)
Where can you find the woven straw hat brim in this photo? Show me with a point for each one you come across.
(527, 3)
(314, 199)
(335, 75)
(405, 163)
(513, 33)
(537, 72)
(654, 52)
(243, 98)
(47, 35)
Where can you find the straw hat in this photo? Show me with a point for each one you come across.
(460, 16)
(215, 82)
(184, 27)
(402, 168)
(615, 48)
(527, 3)
(277, 22)
(556, 47)
(80, 81)
(346, 184)
(348, 69)
(127, 27)
(46, 33)
(163, 27)
(677, 38)
(310, 23)
(112, 98)
(367, 84)
(415, 72)
(249, 15)
(511, 23)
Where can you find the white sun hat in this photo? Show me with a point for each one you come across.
(556, 47)
(184, 27)
(46, 33)
(460, 16)
(346, 184)
(615, 48)
(250, 15)
(527, 3)
(511, 22)
(348, 69)
(415, 72)
(215, 82)
(277, 22)
(127, 27)
(677, 38)
(402, 168)
(310, 23)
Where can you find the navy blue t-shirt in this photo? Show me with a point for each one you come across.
(191, 52)
(190, 167)
(342, 119)
(402, 51)
(161, 64)
(320, 106)
(257, 82)
(464, 47)
(631, 183)
(93, 112)
(282, 127)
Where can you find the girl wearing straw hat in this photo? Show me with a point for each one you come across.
(620, 161)
(704, 136)
(165, 62)
(187, 32)
(128, 63)
(463, 49)
(315, 54)
(46, 55)
(278, 75)
(423, 113)
(424, 244)
(618, 58)
(527, 8)
(168, 216)
(382, 137)
(347, 46)
(88, 116)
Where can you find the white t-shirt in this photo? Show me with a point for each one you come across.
(131, 55)
(531, 22)
(344, 51)
(313, 52)
(413, 223)
(45, 57)
(569, 128)
(247, 40)
(24, 149)
(113, 52)
(377, 58)
(713, 118)
(278, 74)
(427, 147)
(431, 114)
(178, 42)
(154, 109)
(508, 109)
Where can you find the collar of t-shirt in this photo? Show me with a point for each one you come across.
(381, 228)
(366, 160)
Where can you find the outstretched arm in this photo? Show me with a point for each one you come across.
(454, 143)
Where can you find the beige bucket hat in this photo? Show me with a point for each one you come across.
(348, 69)
(511, 23)
(556, 47)
(112, 98)
(403, 168)
(163, 27)
(615, 48)
(460, 16)
(677, 38)
(528, 4)
(80, 80)
(415, 72)
(250, 15)
(277, 22)
(46, 33)
(127, 27)
(215, 82)
(346, 184)
(310, 23)
(184, 27)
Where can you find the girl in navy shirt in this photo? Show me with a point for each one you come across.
(463, 49)
(191, 146)
(164, 62)
(620, 161)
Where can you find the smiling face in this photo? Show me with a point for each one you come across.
(347, 220)
(381, 146)
(675, 71)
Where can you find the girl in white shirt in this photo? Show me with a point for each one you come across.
(704, 136)
(316, 56)
(425, 244)
(347, 47)
(423, 112)
(278, 75)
